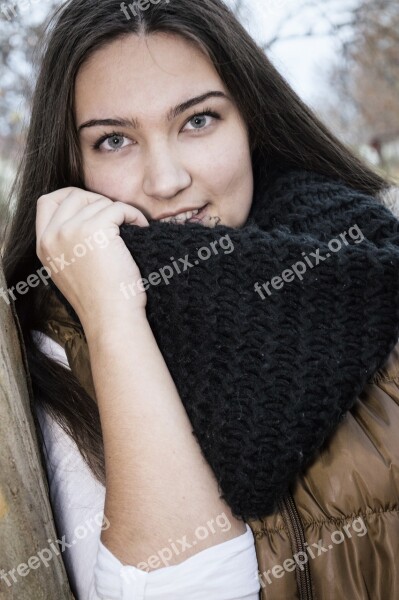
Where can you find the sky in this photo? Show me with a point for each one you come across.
(304, 62)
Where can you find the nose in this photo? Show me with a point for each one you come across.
(164, 175)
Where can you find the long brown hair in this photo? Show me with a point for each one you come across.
(283, 132)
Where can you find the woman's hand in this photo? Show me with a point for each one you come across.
(77, 239)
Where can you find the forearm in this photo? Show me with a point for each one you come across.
(158, 485)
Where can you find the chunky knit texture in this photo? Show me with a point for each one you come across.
(265, 381)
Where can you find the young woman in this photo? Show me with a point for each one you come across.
(154, 114)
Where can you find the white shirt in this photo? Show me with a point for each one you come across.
(226, 571)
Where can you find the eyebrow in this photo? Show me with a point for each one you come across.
(172, 113)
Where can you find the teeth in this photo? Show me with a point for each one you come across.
(181, 217)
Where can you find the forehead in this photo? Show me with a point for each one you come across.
(144, 75)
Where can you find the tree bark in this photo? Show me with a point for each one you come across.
(30, 567)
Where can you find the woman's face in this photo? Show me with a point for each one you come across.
(135, 107)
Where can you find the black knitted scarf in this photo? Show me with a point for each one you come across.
(270, 331)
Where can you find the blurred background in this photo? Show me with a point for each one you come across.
(340, 56)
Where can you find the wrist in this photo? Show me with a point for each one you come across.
(113, 322)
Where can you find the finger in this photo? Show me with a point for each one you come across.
(78, 216)
(49, 204)
(118, 213)
(73, 204)
(88, 212)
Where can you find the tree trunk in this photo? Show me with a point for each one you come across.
(30, 567)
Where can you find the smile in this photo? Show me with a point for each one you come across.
(189, 215)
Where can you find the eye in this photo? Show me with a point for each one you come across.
(114, 139)
(199, 119)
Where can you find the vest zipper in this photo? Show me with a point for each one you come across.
(293, 521)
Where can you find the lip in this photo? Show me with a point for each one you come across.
(178, 212)
(200, 216)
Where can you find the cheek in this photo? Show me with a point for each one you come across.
(233, 177)
(110, 180)
(222, 162)
(224, 170)
(231, 181)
